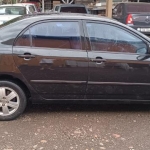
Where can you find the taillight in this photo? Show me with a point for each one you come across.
(129, 19)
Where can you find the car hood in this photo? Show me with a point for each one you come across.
(5, 18)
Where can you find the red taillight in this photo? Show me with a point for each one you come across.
(129, 19)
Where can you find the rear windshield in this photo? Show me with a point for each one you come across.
(12, 10)
(73, 9)
(138, 8)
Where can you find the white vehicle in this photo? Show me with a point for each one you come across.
(11, 11)
(31, 7)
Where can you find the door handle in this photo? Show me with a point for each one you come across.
(98, 60)
(27, 56)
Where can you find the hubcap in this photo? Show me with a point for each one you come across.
(9, 101)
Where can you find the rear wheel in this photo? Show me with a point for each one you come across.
(12, 100)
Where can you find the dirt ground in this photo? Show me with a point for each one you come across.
(78, 127)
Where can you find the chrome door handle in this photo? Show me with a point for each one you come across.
(98, 60)
(27, 56)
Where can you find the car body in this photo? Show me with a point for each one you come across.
(70, 8)
(11, 11)
(135, 15)
(71, 57)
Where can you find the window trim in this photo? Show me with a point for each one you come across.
(115, 25)
(54, 20)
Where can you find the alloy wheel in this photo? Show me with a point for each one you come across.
(9, 101)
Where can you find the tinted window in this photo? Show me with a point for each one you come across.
(110, 38)
(23, 40)
(56, 35)
(138, 8)
(73, 9)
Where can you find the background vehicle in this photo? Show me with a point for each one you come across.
(32, 7)
(100, 7)
(71, 57)
(71, 8)
(37, 4)
(135, 15)
(11, 11)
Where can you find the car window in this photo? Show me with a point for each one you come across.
(24, 39)
(56, 8)
(31, 9)
(105, 37)
(65, 35)
(138, 8)
(119, 10)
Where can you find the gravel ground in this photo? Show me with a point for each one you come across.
(78, 127)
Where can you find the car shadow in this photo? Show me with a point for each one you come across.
(86, 107)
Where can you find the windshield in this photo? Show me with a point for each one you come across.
(73, 9)
(138, 8)
(12, 10)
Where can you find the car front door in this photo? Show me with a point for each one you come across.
(51, 56)
(119, 64)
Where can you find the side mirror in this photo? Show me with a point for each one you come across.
(144, 53)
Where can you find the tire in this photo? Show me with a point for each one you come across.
(12, 101)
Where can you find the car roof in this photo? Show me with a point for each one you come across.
(57, 15)
(12, 5)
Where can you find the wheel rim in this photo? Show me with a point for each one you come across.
(9, 101)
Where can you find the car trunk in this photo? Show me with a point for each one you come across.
(142, 19)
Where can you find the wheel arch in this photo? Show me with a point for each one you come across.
(17, 81)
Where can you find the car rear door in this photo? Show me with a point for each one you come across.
(51, 56)
(119, 64)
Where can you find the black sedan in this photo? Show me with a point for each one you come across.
(71, 57)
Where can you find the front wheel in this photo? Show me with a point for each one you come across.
(12, 100)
